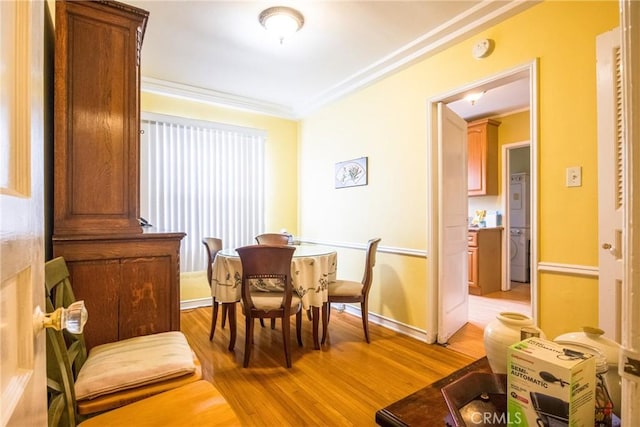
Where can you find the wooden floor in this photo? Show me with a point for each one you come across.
(482, 310)
(343, 384)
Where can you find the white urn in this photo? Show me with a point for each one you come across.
(502, 332)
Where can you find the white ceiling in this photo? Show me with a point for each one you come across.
(217, 51)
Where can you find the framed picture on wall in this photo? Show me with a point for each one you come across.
(351, 173)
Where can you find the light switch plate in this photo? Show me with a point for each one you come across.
(574, 176)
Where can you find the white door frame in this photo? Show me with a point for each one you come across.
(434, 232)
(629, 17)
(506, 236)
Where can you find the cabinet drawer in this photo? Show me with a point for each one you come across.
(473, 238)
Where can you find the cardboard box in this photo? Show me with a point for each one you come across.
(550, 385)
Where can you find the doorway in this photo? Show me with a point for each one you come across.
(435, 292)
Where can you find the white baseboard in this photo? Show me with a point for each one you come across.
(195, 303)
(394, 325)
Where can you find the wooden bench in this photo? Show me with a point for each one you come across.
(197, 403)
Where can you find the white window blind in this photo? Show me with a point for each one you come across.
(203, 178)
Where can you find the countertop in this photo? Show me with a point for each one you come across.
(485, 228)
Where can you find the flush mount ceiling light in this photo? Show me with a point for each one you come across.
(473, 97)
(281, 21)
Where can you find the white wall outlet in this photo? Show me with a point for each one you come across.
(574, 176)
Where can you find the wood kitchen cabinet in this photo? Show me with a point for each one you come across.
(485, 260)
(129, 279)
(482, 157)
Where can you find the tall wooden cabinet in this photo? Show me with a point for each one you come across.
(482, 157)
(128, 279)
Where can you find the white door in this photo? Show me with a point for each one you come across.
(453, 283)
(610, 190)
(23, 398)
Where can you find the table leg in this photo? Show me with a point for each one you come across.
(232, 324)
(315, 316)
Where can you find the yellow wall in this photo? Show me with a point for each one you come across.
(513, 128)
(387, 123)
(281, 151)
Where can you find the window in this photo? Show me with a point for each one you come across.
(203, 178)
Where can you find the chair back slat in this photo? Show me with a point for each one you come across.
(213, 245)
(372, 248)
(57, 283)
(60, 382)
(60, 294)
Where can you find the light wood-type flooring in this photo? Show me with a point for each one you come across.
(482, 310)
(343, 384)
(346, 381)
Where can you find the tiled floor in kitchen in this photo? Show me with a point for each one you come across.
(482, 310)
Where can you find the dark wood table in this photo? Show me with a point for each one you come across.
(426, 407)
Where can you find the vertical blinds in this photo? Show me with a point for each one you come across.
(203, 178)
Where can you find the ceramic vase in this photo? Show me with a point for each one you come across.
(502, 332)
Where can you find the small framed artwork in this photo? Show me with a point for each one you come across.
(351, 173)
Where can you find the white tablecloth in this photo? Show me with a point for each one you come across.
(312, 269)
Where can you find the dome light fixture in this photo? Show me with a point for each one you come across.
(282, 21)
(473, 97)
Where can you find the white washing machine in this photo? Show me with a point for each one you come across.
(519, 254)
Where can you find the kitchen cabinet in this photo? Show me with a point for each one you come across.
(485, 260)
(129, 279)
(482, 157)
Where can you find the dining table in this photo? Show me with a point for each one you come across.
(313, 267)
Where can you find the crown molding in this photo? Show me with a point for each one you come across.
(213, 97)
(475, 20)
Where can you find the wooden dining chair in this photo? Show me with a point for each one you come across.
(267, 292)
(213, 245)
(348, 291)
(117, 373)
(272, 239)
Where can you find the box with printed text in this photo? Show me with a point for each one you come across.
(550, 385)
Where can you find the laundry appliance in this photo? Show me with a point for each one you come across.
(519, 213)
(519, 221)
(519, 250)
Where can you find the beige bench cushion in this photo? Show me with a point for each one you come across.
(134, 362)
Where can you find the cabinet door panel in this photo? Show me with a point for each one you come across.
(145, 296)
(476, 161)
(97, 282)
(99, 142)
(473, 266)
(482, 157)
